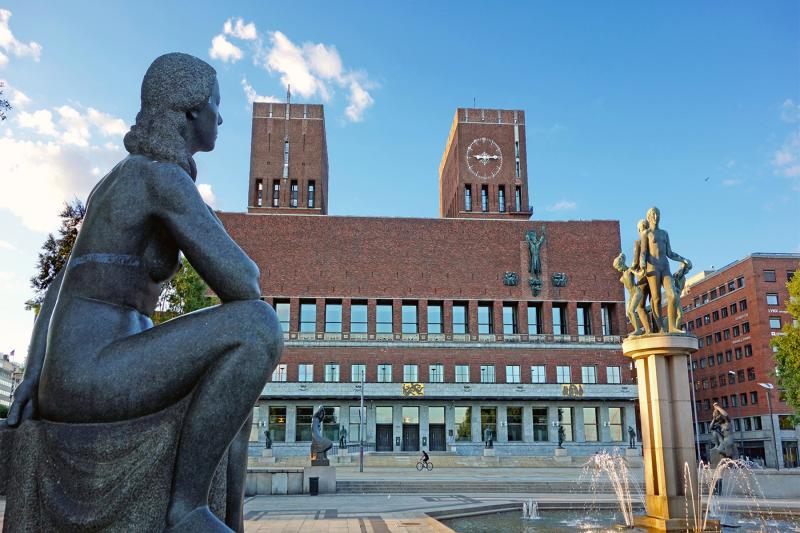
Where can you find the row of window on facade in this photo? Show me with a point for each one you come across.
(411, 374)
(384, 416)
(501, 198)
(730, 378)
(459, 323)
(735, 401)
(719, 314)
(769, 276)
(294, 194)
(748, 423)
(710, 361)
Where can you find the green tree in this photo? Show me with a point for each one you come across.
(787, 346)
(55, 251)
(4, 105)
(3, 411)
(184, 293)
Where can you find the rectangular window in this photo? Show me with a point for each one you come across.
(514, 423)
(489, 423)
(463, 423)
(259, 193)
(736, 331)
(745, 327)
(409, 315)
(740, 375)
(754, 398)
(751, 374)
(310, 195)
(733, 308)
(534, 319)
(305, 372)
(615, 423)
(332, 373)
(462, 373)
(717, 337)
(501, 199)
(769, 275)
(487, 374)
(774, 322)
(605, 316)
(540, 425)
(538, 374)
(739, 282)
(384, 415)
(517, 198)
(719, 358)
(724, 312)
(484, 198)
(460, 319)
(282, 310)
(383, 318)
(330, 423)
(358, 318)
(293, 194)
(757, 423)
(286, 153)
(584, 319)
(436, 373)
(276, 193)
(724, 401)
(467, 198)
(279, 374)
(384, 373)
(713, 294)
(565, 421)
(589, 374)
(512, 374)
(772, 299)
(748, 350)
(563, 374)
(357, 372)
(785, 422)
(485, 319)
(715, 316)
(728, 356)
(710, 360)
(743, 399)
(707, 319)
(435, 318)
(354, 429)
(510, 319)
(742, 305)
(333, 317)
(308, 317)
(734, 402)
(410, 373)
(726, 334)
(277, 423)
(789, 275)
(559, 319)
(613, 374)
(302, 425)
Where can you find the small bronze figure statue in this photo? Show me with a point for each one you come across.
(319, 443)
(488, 438)
(631, 437)
(634, 310)
(722, 434)
(561, 436)
(534, 249)
(342, 437)
(267, 440)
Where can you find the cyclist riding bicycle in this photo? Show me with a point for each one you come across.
(425, 457)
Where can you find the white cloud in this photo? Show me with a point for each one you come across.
(224, 50)
(562, 205)
(360, 101)
(207, 194)
(108, 125)
(41, 121)
(12, 45)
(790, 111)
(240, 30)
(5, 245)
(732, 182)
(786, 161)
(252, 96)
(75, 127)
(287, 59)
(16, 98)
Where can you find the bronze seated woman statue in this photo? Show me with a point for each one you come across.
(95, 357)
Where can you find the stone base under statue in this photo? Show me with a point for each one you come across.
(673, 525)
(114, 477)
(488, 452)
(326, 475)
(561, 455)
(633, 456)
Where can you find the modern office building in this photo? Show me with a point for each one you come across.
(734, 312)
(10, 375)
(480, 323)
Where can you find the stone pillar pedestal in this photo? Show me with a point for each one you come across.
(562, 456)
(633, 457)
(667, 434)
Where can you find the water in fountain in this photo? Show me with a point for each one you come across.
(613, 467)
(530, 510)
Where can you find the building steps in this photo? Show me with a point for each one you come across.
(465, 486)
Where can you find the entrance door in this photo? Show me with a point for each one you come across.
(438, 443)
(410, 437)
(383, 437)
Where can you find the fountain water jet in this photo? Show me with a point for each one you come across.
(614, 467)
(530, 510)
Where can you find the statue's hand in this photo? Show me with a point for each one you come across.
(688, 264)
(25, 403)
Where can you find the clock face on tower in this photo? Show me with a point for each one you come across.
(484, 158)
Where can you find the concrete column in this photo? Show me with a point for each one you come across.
(502, 424)
(630, 420)
(291, 421)
(450, 423)
(602, 420)
(370, 425)
(572, 318)
(547, 318)
(422, 316)
(578, 434)
(476, 423)
(666, 414)
(597, 320)
(424, 426)
(552, 416)
(261, 419)
(527, 423)
(397, 430)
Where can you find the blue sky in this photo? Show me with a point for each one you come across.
(691, 106)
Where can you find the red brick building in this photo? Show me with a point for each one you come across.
(454, 342)
(734, 312)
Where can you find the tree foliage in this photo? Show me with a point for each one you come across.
(4, 105)
(787, 345)
(55, 251)
(184, 293)
(3, 411)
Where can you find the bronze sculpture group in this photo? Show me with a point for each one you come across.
(648, 275)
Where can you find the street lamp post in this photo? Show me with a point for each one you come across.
(361, 428)
(769, 387)
(694, 410)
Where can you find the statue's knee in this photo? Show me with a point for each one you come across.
(263, 329)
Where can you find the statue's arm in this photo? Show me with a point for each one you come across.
(672, 255)
(229, 272)
(24, 406)
(643, 250)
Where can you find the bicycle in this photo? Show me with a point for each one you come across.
(427, 465)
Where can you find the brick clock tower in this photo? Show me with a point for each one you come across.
(483, 173)
(288, 160)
